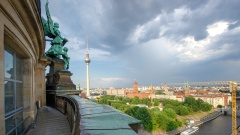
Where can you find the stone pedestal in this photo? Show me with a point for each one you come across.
(59, 79)
(59, 82)
(64, 81)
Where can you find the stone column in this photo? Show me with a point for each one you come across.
(28, 91)
(40, 83)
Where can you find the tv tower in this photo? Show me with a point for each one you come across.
(87, 60)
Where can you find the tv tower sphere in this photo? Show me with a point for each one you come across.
(87, 59)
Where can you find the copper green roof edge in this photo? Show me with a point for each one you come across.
(93, 105)
(108, 132)
(110, 121)
(95, 110)
(112, 116)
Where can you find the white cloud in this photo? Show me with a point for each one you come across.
(138, 33)
(192, 50)
(217, 28)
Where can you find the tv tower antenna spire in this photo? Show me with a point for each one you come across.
(87, 43)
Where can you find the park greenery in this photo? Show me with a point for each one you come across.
(159, 93)
(154, 119)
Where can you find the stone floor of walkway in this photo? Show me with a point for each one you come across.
(50, 122)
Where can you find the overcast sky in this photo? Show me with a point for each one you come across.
(150, 41)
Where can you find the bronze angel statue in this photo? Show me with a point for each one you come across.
(52, 31)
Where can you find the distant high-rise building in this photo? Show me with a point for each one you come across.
(135, 93)
(186, 86)
(135, 87)
(165, 87)
(87, 60)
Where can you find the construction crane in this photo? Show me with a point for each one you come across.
(233, 87)
(217, 83)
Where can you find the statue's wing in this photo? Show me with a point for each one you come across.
(45, 27)
(49, 21)
(44, 21)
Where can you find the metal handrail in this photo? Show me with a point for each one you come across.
(74, 117)
(72, 103)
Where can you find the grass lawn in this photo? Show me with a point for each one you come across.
(195, 116)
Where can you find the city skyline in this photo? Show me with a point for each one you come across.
(150, 41)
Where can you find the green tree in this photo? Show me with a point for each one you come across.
(123, 108)
(179, 123)
(182, 110)
(206, 107)
(192, 103)
(171, 102)
(159, 93)
(126, 100)
(199, 102)
(170, 112)
(155, 109)
(131, 111)
(152, 119)
(169, 106)
(145, 101)
(172, 125)
(116, 105)
(103, 101)
(116, 98)
(219, 106)
(120, 98)
(153, 113)
(142, 114)
(149, 103)
(163, 120)
(156, 102)
(135, 100)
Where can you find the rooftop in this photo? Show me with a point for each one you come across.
(50, 122)
(94, 118)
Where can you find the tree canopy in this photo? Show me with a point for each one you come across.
(153, 119)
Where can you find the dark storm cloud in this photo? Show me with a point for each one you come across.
(123, 17)
(111, 24)
(120, 18)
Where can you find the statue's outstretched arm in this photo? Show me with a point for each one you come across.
(50, 21)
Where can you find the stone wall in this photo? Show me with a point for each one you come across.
(21, 30)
